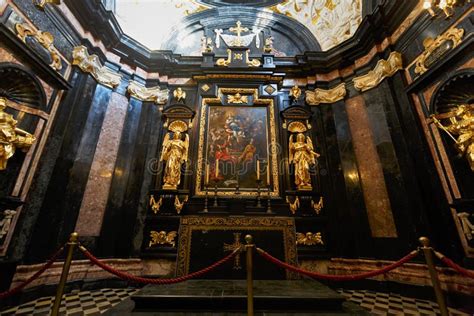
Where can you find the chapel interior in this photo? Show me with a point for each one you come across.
(226, 157)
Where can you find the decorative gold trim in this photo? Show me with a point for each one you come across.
(251, 62)
(273, 143)
(162, 238)
(152, 94)
(455, 35)
(294, 206)
(237, 76)
(297, 127)
(309, 239)
(234, 246)
(189, 224)
(91, 64)
(319, 96)
(178, 205)
(155, 206)
(224, 62)
(317, 207)
(237, 99)
(46, 40)
(383, 69)
(41, 4)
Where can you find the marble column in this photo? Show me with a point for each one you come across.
(94, 202)
(377, 202)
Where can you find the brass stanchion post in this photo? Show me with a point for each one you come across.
(249, 248)
(428, 252)
(64, 274)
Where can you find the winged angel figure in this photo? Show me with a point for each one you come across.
(302, 155)
(175, 153)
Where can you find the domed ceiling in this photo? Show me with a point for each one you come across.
(151, 22)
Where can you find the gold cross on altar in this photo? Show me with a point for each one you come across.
(231, 247)
(238, 30)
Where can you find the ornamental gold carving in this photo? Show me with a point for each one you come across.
(44, 38)
(237, 99)
(162, 238)
(234, 246)
(302, 156)
(383, 69)
(317, 207)
(433, 46)
(294, 206)
(251, 62)
(11, 137)
(152, 94)
(40, 4)
(319, 96)
(155, 205)
(175, 153)
(91, 64)
(179, 95)
(460, 124)
(178, 205)
(309, 239)
(224, 62)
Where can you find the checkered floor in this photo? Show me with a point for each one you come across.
(97, 302)
(75, 303)
(393, 304)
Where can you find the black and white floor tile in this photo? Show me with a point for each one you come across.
(97, 302)
(393, 304)
(75, 303)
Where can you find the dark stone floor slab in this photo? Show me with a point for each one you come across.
(229, 297)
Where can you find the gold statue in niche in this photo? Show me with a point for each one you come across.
(461, 124)
(302, 155)
(175, 153)
(11, 137)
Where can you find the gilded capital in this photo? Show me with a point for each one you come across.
(152, 94)
(319, 96)
(91, 64)
(383, 69)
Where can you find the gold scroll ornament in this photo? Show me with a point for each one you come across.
(431, 47)
(91, 64)
(11, 137)
(301, 155)
(162, 238)
(151, 94)
(309, 239)
(461, 125)
(174, 153)
(44, 38)
(383, 69)
(319, 96)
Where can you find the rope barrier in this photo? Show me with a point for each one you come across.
(353, 277)
(136, 279)
(450, 263)
(45, 267)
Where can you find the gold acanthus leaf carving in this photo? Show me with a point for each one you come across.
(319, 96)
(455, 35)
(91, 64)
(152, 94)
(11, 137)
(162, 238)
(44, 38)
(383, 69)
(309, 239)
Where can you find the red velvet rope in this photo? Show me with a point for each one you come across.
(353, 277)
(450, 263)
(136, 279)
(45, 267)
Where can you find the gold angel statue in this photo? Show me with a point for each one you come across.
(11, 137)
(175, 153)
(302, 155)
(461, 124)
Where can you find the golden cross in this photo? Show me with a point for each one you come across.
(231, 247)
(238, 30)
